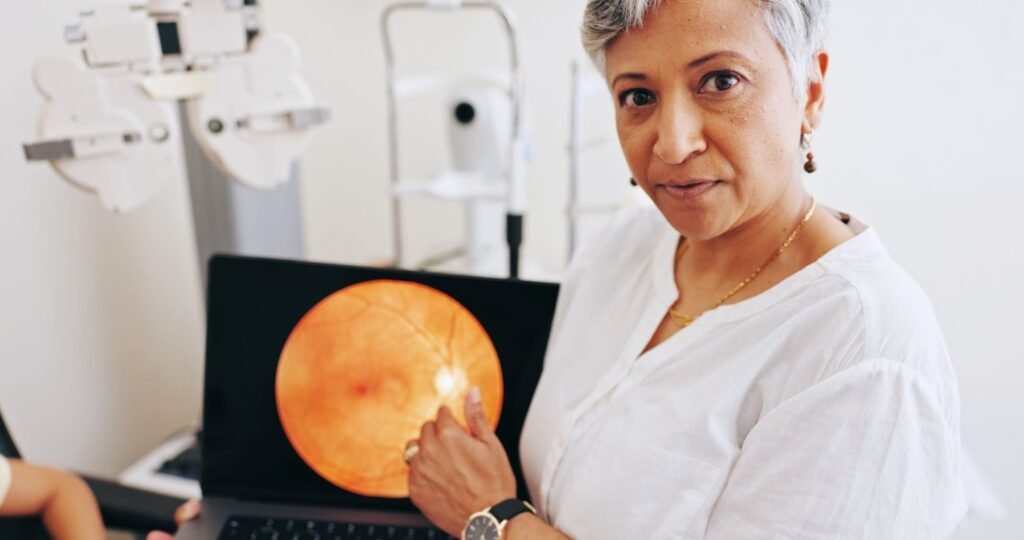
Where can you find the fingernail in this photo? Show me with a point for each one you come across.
(474, 395)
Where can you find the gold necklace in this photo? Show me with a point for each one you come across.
(685, 320)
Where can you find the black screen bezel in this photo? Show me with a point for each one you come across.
(517, 314)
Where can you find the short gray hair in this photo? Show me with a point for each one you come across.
(798, 26)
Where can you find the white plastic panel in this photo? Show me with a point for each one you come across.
(480, 142)
(208, 33)
(125, 144)
(115, 37)
(239, 120)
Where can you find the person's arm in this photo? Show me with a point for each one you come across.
(65, 503)
(527, 526)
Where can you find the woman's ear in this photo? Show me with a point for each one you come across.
(815, 92)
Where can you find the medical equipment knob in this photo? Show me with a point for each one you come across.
(465, 113)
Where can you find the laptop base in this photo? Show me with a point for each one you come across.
(217, 514)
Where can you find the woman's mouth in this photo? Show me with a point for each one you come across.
(691, 190)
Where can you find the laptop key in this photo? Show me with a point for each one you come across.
(265, 534)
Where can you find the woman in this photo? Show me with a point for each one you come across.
(741, 363)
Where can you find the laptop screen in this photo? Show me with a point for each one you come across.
(302, 358)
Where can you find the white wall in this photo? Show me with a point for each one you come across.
(923, 139)
(100, 332)
(100, 314)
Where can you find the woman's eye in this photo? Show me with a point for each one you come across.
(719, 82)
(636, 98)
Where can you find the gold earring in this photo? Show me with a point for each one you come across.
(805, 142)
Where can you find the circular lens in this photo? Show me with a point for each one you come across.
(465, 113)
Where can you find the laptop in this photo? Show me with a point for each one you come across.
(280, 332)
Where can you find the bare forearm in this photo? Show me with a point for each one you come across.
(64, 502)
(527, 526)
(73, 512)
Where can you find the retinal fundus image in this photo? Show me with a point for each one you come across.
(367, 366)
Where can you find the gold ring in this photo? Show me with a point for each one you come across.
(411, 452)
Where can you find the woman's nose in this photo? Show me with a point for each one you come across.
(680, 133)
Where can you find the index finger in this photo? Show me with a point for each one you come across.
(446, 420)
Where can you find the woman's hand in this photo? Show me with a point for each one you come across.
(456, 473)
(186, 512)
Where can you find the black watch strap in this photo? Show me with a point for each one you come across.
(509, 509)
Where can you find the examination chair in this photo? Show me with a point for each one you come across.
(124, 508)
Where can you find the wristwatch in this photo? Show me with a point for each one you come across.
(488, 524)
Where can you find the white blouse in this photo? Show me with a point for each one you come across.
(825, 407)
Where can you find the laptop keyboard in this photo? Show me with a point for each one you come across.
(187, 463)
(252, 528)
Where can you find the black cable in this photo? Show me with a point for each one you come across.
(514, 235)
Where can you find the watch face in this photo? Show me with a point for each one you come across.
(483, 527)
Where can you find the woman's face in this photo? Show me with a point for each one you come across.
(706, 114)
